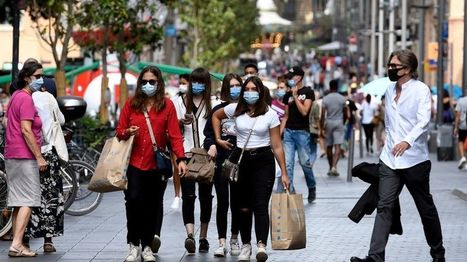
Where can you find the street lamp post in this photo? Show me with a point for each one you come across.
(15, 60)
(440, 72)
(464, 67)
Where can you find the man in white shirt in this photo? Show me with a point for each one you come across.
(460, 129)
(404, 159)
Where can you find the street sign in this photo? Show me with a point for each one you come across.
(445, 31)
(433, 51)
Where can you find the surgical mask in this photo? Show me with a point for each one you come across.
(280, 93)
(36, 84)
(183, 88)
(235, 92)
(251, 97)
(149, 89)
(291, 82)
(392, 74)
(197, 88)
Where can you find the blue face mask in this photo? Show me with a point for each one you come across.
(251, 97)
(291, 82)
(36, 84)
(280, 93)
(235, 92)
(149, 89)
(197, 88)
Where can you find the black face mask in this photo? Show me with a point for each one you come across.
(392, 74)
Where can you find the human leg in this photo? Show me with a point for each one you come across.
(303, 146)
(390, 186)
(133, 207)
(417, 180)
(289, 151)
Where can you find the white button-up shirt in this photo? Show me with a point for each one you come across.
(407, 120)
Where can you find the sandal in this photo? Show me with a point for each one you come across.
(49, 248)
(24, 252)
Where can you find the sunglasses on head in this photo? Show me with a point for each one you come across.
(152, 82)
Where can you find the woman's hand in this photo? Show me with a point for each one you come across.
(182, 169)
(285, 180)
(224, 144)
(132, 130)
(212, 152)
(42, 164)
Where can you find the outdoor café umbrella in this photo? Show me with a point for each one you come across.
(377, 87)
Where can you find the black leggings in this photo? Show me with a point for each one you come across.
(254, 188)
(189, 197)
(368, 128)
(222, 186)
(144, 205)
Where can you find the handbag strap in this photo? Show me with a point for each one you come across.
(247, 139)
(151, 133)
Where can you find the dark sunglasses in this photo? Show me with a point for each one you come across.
(235, 86)
(152, 82)
(37, 76)
(395, 66)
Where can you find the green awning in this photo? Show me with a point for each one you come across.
(176, 70)
(169, 69)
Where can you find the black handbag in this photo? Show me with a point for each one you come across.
(161, 156)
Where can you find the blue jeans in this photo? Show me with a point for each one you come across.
(299, 141)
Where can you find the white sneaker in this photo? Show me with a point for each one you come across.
(261, 254)
(234, 247)
(176, 203)
(462, 162)
(220, 251)
(147, 254)
(245, 253)
(133, 253)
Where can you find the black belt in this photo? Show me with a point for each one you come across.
(256, 151)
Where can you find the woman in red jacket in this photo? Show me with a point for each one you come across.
(144, 196)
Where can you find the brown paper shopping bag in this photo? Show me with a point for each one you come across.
(110, 173)
(288, 230)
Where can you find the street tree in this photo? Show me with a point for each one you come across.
(54, 21)
(218, 30)
(121, 26)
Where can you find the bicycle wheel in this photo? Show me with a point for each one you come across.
(85, 201)
(70, 185)
(6, 213)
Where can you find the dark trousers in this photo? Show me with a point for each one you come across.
(417, 180)
(254, 188)
(144, 205)
(189, 197)
(368, 128)
(223, 187)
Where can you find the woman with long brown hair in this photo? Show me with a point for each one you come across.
(193, 112)
(253, 116)
(146, 187)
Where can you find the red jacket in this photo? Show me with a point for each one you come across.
(165, 127)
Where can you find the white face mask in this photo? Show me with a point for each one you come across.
(183, 88)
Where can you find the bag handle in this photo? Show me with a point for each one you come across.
(247, 139)
(151, 133)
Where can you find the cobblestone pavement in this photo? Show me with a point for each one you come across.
(331, 236)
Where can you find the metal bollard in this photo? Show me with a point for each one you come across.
(351, 156)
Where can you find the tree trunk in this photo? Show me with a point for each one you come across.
(103, 111)
(60, 82)
(123, 85)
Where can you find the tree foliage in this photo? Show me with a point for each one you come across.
(54, 21)
(121, 26)
(218, 30)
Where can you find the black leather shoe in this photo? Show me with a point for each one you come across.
(366, 259)
(439, 259)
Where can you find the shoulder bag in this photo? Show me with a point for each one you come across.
(162, 157)
(200, 167)
(230, 169)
